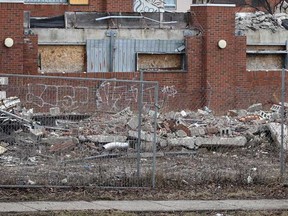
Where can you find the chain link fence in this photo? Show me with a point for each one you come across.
(107, 133)
(59, 131)
(240, 147)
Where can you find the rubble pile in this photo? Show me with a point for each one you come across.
(261, 20)
(31, 143)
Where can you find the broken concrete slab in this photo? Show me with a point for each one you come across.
(9, 103)
(133, 123)
(188, 142)
(238, 141)
(198, 131)
(2, 150)
(202, 112)
(52, 140)
(144, 135)
(275, 129)
(54, 111)
(255, 107)
(181, 133)
(37, 133)
(211, 130)
(225, 132)
(106, 138)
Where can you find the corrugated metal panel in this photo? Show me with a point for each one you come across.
(97, 55)
(45, 1)
(158, 46)
(124, 57)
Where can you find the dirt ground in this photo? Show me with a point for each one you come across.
(204, 174)
(117, 213)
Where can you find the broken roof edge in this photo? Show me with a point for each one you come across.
(213, 5)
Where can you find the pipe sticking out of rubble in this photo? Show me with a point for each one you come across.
(114, 145)
(134, 17)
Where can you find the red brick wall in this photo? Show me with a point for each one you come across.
(215, 77)
(43, 10)
(219, 65)
(30, 54)
(119, 6)
(11, 24)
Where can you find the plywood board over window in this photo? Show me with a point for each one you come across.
(62, 59)
(160, 62)
(79, 2)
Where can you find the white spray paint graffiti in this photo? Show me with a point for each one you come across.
(170, 91)
(66, 97)
(148, 6)
(110, 96)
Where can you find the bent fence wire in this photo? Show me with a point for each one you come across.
(77, 132)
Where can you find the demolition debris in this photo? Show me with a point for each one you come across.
(261, 20)
(27, 141)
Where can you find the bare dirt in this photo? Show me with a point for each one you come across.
(205, 174)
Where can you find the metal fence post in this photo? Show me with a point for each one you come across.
(282, 165)
(155, 135)
(140, 106)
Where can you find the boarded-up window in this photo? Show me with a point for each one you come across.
(160, 62)
(62, 59)
(264, 62)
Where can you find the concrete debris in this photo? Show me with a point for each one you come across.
(188, 142)
(2, 150)
(64, 146)
(145, 136)
(261, 20)
(275, 130)
(54, 111)
(9, 103)
(106, 138)
(221, 141)
(255, 107)
(225, 132)
(133, 123)
(91, 137)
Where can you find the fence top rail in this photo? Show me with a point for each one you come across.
(78, 78)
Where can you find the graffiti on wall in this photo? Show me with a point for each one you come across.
(148, 6)
(110, 96)
(113, 97)
(65, 97)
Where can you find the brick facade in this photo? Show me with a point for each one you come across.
(215, 77)
(43, 10)
(11, 22)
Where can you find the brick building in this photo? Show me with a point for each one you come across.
(214, 74)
